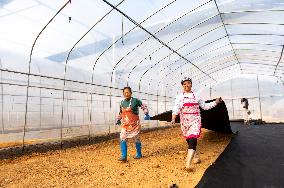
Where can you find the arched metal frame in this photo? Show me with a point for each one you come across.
(229, 35)
(224, 23)
(65, 69)
(204, 73)
(181, 47)
(152, 35)
(220, 14)
(29, 70)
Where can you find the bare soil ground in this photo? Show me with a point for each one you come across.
(96, 165)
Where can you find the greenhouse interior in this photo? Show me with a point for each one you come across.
(64, 66)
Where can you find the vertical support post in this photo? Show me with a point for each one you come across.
(233, 109)
(2, 101)
(90, 118)
(122, 30)
(157, 105)
(157, 101)
(113, 78)
(260, 111)
(165, 101)
(40, 104)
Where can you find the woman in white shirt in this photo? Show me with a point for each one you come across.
(187, 105)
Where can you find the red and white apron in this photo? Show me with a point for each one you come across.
(190, 118)
(130, 124)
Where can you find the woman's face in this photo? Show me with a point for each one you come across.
(187, 86)
(127, 94)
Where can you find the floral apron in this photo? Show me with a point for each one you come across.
(190, 118)
(130, 124)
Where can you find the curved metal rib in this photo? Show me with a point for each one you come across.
(29, 71)
(151, 35)
(235, 49)
(65, 69)
(207, 66)
(191, 60)
(179, 35)
(183, 65)
(279, 60)
(128, 33)
(227, 33)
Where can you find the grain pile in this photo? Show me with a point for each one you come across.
(97, 166)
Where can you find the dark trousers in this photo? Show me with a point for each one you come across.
(192, 143)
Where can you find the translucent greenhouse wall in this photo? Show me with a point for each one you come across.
(88, 109)
(265, 95)
(73, 61)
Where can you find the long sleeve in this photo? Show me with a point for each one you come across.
(177, 105)
(142, 105)
(206, 106)
(144, 108)
(119, 114)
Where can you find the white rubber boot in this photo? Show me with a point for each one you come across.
(190, 154)
(196, 159)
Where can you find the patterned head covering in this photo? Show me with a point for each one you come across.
(185, 79)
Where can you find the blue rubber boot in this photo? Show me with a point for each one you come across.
(123, 149)
(138, 150)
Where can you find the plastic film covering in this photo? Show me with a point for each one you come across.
(63, 63)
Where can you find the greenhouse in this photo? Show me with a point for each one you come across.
(64, 66)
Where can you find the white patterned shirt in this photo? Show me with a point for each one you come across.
(179, 102)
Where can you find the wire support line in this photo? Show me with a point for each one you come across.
(155, 37)
(29, 69)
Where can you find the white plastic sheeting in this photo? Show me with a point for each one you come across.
(264, 94)
(63, 63)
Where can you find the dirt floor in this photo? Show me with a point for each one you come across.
(97, 166)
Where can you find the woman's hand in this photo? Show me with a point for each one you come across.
(173, 122)
(146, 116)
(118, 122)
(218, 100)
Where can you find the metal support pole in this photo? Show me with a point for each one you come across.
(259, 97)
(157, 101)
(40, 105)
(165, 101)
(89, 126)
(2, 104)
(232, 99)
